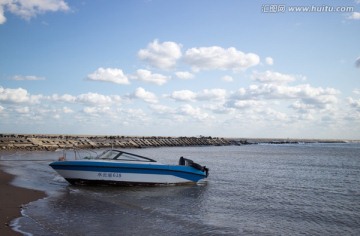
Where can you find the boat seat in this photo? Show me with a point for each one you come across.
(181, 161)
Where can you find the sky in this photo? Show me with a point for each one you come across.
(256, 69)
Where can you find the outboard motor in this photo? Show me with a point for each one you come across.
(187, 162)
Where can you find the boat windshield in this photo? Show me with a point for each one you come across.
(123, 156)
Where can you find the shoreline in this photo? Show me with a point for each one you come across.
(12, 199)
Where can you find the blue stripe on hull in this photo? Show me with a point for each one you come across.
(120, 183)
(185, 172)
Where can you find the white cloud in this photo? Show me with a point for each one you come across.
(23, 110)
(2, 16)
(63, 98)
(96, 110)
(354, 16)
(28, 9)
(14, 95)
(183, 95)
(67, 110)
(161, 55)
(302, 107)
(18, 95)
(212, 94)
(112, 75)
(356, 91)
(244, 104)
(196, 113)
(184, 75)
(272, 114)
(357, 62)
(272, 77)
(94, 99)
(305, 97)
(273, 91)
(354, 103)
(204, 95)
(145, 95)
(148, 76)
(219, 108)
(161, 109)
(227, 78)
(212, 58)
(269, 61)
(27, 77)
(2, 108)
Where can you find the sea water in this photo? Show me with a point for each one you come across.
(299, 189)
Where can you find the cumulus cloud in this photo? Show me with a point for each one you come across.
(94, 99)
(244, 104)
(28, 9)
(211, 94)
(67, 110)
(2, 16)
(18, 95)
(354, 16)
(305, 97)
(212, 58)
(354, 103)
(357, 62)
(22, 96)
(96, 110)
(301, 107)
(196, 113)
(161, 109)
(274, 91)
(63, 98)
(272, 114)
(112, 75)
(183, 95)
(148, 76)
(145, 95)
(27, 77)
(161, 55)
(227, 78)
(204, 95)
(184, 75)
(22, 110)
(272, 77)
(269, 61)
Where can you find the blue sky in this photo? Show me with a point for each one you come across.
(181, 68)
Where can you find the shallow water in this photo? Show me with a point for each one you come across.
(304, 189)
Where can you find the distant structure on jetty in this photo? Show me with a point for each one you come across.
(33, 142)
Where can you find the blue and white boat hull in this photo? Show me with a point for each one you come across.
(121, 173)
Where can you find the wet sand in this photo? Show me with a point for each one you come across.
(12, 198)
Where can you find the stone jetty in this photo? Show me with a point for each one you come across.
(38, 142)
(54, 142)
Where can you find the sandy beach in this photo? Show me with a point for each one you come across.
(12, 198)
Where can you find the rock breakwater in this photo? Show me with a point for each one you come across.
(53, 142)
(38, 142)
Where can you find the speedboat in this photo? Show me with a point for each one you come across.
(115, 167)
